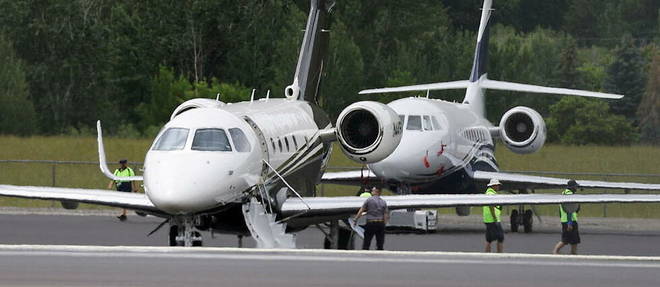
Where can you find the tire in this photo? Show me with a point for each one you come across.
(174, 231)
(345, 241)
(528, 220)
(514, 220)
(197, 243)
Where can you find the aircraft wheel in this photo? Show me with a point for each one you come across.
(197, 243)
(528, 220)
(514, 220)
(174, 231)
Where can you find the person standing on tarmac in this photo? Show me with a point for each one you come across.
(569, 226)
(492, 219)
(123, 185)
(377, 217)
(365, 193)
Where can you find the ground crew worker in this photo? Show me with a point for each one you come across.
(123, 185)
(492, 219)
(569, 226)
(377, 217)
(365, 193)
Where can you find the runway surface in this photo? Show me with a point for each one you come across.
(165, 266)
(464, 237)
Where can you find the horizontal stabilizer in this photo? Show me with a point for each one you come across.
(507, 86)
(424, 87)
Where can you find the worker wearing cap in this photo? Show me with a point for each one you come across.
(123, 185)
(377, 217)
(492, 219)
(569, 226)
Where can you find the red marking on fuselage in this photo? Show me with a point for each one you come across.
(440, 171)
(442, 149)
(427, 164)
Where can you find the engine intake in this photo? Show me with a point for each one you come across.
(523, 130)
(368, 131)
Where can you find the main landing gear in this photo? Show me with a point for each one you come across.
(338, 237)
(184, 233)
(522, 217)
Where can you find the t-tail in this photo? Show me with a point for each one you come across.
(479, 82)
(311, 59)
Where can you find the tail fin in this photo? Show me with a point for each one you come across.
(481, 51)
(311, 59)
(474, 96)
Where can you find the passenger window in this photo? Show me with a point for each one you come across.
(414, 123)
(279, 142)
(211, 140)
(286, 141)
(427, 123)
(273, 144)
(172, 139)
(241, 142)
(295, 143)
(436, 125)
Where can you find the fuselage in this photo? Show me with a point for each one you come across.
(206, 158)
(440, 139)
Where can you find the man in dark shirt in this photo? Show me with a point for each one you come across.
(377, 217)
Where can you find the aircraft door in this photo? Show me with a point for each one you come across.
(262, 143)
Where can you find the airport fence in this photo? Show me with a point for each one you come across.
(86, 174)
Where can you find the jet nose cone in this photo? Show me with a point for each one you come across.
(182, 184)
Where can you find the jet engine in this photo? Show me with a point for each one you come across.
(522, 130)
(368, 131)
(194, 104)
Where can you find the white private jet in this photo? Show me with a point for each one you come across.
(448, 148)
(250, 168)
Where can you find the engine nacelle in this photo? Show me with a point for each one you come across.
(194, 104)
(368, 131)
(523, 130)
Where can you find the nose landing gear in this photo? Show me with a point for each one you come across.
(183, 232)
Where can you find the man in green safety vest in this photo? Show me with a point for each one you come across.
(492, 219)
(365, 193)
(123, 185)
(569, 226)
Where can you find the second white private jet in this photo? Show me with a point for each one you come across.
(448, 148)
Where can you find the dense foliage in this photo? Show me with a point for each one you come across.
(67, 63)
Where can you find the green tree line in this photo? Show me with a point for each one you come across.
(67, 63)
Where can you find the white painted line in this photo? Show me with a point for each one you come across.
(328, 255)
(321, 258)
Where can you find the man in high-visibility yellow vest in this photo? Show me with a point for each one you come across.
(492, 219)
(569, 226)
(124, 185)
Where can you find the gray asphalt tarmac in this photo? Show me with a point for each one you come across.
(467, 237)
(143, 266)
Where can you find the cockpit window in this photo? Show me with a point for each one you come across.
(211, 140)
(414, 123)
(172, 139)
(241, 142)
(427, 123)
(436, 125)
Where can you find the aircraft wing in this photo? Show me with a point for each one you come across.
(522, 181)
(352, 177)
(134, 201)
(348, 205)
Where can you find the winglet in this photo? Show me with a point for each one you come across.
(102, 161)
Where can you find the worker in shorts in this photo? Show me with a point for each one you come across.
(491, 214)
(123, 185)
(569, 226)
